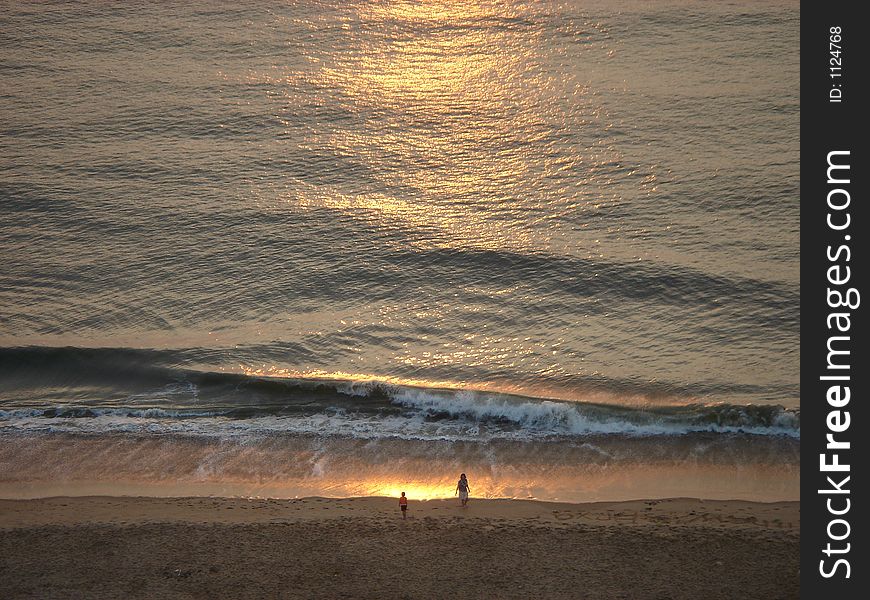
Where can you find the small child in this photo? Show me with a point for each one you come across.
(403, 504)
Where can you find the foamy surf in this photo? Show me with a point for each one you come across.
(150, 427)
(407, 413)
(130, 390)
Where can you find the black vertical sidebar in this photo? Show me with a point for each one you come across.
(835, 424)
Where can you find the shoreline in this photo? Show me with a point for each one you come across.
(73, 510)
(197, 547)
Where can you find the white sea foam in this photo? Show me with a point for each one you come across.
(574, 418)
(426, 415)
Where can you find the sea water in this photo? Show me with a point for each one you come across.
(351, 247)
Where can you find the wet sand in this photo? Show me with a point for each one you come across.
(119, 547)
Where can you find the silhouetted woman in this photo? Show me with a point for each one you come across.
(462, 488)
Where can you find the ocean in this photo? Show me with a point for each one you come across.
(338, 248)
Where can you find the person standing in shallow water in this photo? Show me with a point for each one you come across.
(462, 488)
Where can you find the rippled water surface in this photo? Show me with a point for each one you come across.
(425, 205)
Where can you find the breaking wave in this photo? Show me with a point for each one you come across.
(103, 390)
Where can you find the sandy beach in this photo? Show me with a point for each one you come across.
(121, 547)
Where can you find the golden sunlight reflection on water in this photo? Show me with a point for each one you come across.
(439, 191)
(756, 483)
(456, 105)
(460, 126)
(573, 484)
